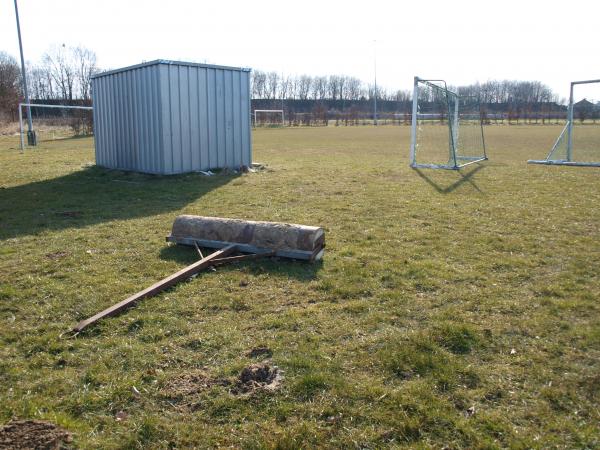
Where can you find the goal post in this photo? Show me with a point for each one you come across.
(578, 143)
(66, 120)
(269, 117)
(447, 128)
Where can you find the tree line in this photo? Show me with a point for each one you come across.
(274, 86)
(349, 100)
(63, 75)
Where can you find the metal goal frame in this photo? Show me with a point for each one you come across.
(41, 105)
(455, 161)
(269, 111)
(568, 130)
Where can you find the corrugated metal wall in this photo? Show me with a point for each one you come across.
(169, 117)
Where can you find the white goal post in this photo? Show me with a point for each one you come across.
(40, 105)
(276, 112)
(447, 128)
(568, 150)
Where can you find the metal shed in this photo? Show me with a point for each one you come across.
(169, 117)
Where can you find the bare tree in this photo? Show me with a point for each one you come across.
(10, 86)
(86, 68)
(354, 90)
(40, 83)
(334, 87)
(319, 88)
(259, 80)
(271, 85)
(285, 83)
(60, 64)
(304, 86)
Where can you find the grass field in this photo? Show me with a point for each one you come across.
(452, 309)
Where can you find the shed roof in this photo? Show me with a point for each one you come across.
(167, 61)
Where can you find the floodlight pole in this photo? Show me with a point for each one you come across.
(31, 140)
(375, 94)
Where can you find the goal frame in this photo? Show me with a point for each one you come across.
(270, 111)
(41, 105)
(568, 129)
(454, 162)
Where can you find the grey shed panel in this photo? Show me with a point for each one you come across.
(167, 117)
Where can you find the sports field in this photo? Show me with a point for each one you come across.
(455, 309)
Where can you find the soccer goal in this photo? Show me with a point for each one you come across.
(54, 122)
(579, 141)
(447, 128)
(269, 118)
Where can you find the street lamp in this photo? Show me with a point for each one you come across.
(31, 138)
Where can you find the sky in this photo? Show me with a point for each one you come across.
(461, 41)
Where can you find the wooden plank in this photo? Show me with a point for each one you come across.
(163, 284)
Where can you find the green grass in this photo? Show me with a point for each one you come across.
(455, 309)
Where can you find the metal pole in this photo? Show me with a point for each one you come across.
(30, 135)
(456, 123)
(452, 146)
(570, 126)
(375, 95)
(413, 136)
(21, 126)
(481, 127)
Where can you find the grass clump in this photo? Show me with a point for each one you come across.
(459, 339)
(309, 385)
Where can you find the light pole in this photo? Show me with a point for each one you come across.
(31, 139)
(375, 93)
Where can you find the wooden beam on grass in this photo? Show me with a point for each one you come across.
(160, 286)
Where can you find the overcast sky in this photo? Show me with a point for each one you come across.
(461, 41)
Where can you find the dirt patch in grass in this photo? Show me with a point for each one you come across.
(57, 255)
(189, 384)
(258, 377)
(32, 434)
(254, 378)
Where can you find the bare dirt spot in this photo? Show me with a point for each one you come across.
(189, 384)
(258, 377)
(57, 255)
(182, 389)
(32, 434)
(260, 352)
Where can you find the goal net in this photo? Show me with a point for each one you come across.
(54, 122)
(269, 118)
(447, 128)
(579, 141)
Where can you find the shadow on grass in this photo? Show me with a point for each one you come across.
(465, 177)
(96, 195)
(281, 267)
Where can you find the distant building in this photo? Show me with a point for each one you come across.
(584, 109)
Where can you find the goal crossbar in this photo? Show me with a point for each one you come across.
(41, 105)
